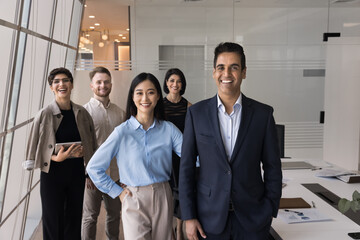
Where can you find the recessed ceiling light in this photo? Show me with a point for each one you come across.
(92, 27)
(85, 5)
(120, 35)
(127, 29)
(88, 35)
(91, 16)
(97, 24)
(123, 37)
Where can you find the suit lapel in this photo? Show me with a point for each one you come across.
(214, 121)
(246, 116)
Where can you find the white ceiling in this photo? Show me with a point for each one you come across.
(113, 14)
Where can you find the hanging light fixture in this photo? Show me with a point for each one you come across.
(105, 36)
(101, 44)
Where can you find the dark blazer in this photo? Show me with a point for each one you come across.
(207, 194)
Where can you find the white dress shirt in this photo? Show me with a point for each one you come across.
(105, 118)
(229, 124)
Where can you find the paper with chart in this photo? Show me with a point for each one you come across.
(302, 215)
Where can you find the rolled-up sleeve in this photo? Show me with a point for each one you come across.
(32, 144)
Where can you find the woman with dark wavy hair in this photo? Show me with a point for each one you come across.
(175, 111)
(143, 147)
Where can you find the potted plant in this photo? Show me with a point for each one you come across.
(344, 204)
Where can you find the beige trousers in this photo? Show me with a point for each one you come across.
(147, 214)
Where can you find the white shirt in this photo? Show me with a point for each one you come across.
(105, 120)
(229, 124)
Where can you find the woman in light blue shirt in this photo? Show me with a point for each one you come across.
(143, 148)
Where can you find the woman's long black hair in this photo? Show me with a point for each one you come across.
(131, 109)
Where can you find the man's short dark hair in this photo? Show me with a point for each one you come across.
(57, 71)
(99, 70)
(179, 73)
(230, 47)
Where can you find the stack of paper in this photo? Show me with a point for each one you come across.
(303, 215)
(343, 175)
(331, 172)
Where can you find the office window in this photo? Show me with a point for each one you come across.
(34, 212)
(57, 56)
(11, 229)
(40, 16)
(8, 10)
(16, 175)
(33, 78)
(75, 24)
(62, 20)
(5, 49)
(70, 60)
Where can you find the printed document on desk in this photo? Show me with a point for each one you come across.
(302, 216)
(343, 175)
(331, 172)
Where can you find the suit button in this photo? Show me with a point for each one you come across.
(228, 172)
(45, 164)
(50, 146)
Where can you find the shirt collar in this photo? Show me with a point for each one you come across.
(97, 102)
(221, 106)
(135, 123)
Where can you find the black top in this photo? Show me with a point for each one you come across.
(176, 112)
(68, 130)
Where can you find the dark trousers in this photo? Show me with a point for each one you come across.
(62, 194)
(234, 231)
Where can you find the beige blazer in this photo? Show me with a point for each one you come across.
(41, 142)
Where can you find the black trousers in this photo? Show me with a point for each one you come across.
(234, 231)
(62, 194)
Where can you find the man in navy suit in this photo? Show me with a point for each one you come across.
(236, 191)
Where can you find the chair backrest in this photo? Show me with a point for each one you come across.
(280, 129)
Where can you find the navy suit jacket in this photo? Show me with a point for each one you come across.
(207, 194)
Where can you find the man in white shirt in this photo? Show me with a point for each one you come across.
(106, 117)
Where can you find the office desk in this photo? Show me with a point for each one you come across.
(336, 229)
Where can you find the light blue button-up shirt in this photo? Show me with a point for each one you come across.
(229, 124)
(143, 157)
